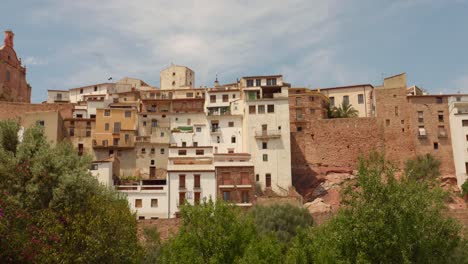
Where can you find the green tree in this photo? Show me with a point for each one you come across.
(52, 210)
(384, 220)
(210, 233)
(345, 110)
(151, 245)
(281, 220)
(423, 168)
(263, 250)
(464, 188)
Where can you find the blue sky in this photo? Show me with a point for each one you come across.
(69, 43)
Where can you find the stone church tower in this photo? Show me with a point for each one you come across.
(13, 85)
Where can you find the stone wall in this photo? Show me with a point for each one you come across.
(16, 111)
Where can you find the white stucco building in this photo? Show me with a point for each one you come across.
(266, 128)
(458, 116)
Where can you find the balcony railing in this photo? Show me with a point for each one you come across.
(215, 130)
(61, 98)
(219, 113)
(268, 134)
(140, 188)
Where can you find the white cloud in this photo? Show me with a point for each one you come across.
(33, 61)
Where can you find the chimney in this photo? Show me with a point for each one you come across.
(9, 35)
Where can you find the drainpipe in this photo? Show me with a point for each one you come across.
(168, 195)
(365, 100)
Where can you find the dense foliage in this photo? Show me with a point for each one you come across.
(52, 210)
(423, 168)
(383, 220)
(344, 110)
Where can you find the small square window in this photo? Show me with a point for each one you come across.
(138, 203)
(199, 152)
(233, 139)
(154, 203)
(261, 109)
(440, 115)
(106, 112)
(152, 151)
(106, 126)
(198, 129)
(252, 109)
(439, 100)
(182, 152)
(152, 162)
(81, 91)
(436, 145)
(94, 166)
(231, 124)
(360, 98)
(265, 157)
(299, 129)
(143, 151)
(161, 151)
(128, 114)
(271, 108)
(264, 145)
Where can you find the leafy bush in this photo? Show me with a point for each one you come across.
(464, 188)
(423, 167)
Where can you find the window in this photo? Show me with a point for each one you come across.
(312, 111)
(252, 109)
(271, 82)
(161, 151)
(197, 198)
(128, 114)
(92, 116)
(88, 133)
(360, 98)
(257, 177)
(346, 99)
(230, 150)
(116, 141)
(143, 151)
(233, 96)
(436, 145)
(258, 82)
(299, 129)
(116, 127)
(439, 100)
(94, 166)
(154, 123)
(106, 112)
(198, 129)
(7, 75)
(195, 144)
(181, 198)
(104, 142)
(261, 109)
(245, 197)
(189, 95)
(189, 121)
(184, 144)
(182, 152)
(264, 145)
(387, 122)
(144, 123)
(245, 178)
(199, 152)
(311, 98)
(231, 124)
(196, 179)
(106, 126)
(79, 116)
(265, 157)
(298, 101)
(233, 139)
(250, 83)
(458, 99)
(299, 115)
(226, 178)
(162, 134)
(212, 98)
(95, 88)
(72, 132)
(81, 91)
(440, 114)
(420, 116)
(465, 123)
(227, 196)
(396, 110)
(138, 203)
(154, 203)
(173, 74)
(181, 180)
(268, 180)
(218, 140)
(173, 83)
(271, 108)
(152, 152)
(332, 101)
(225, 97)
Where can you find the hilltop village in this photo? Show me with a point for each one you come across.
(259, 136)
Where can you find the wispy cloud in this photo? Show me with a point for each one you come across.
(34, 61)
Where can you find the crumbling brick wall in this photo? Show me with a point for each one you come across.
(15, 110)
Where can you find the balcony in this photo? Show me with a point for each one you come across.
(183, 129)
(215, 130)
(266, 134)
(219, 113)
(141, 188)
(61, 99)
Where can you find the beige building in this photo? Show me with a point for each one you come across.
(458, 116)
(359, 96)
(176, 77)
(51, 121)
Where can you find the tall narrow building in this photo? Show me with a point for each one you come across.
(13, 85)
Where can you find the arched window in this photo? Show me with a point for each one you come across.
(8, 75)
